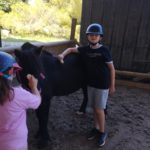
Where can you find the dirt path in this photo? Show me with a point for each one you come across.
(128, 122)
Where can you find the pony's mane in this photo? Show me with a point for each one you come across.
(47, 53)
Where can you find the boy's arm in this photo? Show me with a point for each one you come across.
(112, 78)
(66, 52)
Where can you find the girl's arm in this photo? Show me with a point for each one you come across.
(112, 78)
(66, 52)
(33, 84)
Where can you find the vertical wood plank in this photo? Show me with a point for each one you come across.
(85, 19)
(0, 37)
(130, 36)
(97, 11)
(142, 49)
(119, 30)
(108, 20)
(73, 29)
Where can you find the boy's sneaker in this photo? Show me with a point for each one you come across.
(102, 139)
(93, 133)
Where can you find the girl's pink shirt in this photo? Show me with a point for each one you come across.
(13, 128)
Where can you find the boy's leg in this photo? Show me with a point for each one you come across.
(100, 121)
(100, 101)
(97, 101)
(99, 117)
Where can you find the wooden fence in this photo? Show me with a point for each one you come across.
(126, 30)
(53, 47)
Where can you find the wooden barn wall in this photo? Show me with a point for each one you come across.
(126, 25)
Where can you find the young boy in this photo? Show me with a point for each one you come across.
(100, 77)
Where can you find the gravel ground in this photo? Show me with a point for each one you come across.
(128, 122)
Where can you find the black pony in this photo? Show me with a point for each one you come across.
(55, 79)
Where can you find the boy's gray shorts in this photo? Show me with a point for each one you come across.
(97, 98)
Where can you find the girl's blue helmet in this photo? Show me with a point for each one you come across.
(94, 28)
(7, 62)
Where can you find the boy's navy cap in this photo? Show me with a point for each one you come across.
(94, 28)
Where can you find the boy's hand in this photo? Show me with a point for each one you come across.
(61, 58)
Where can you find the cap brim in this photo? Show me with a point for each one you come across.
(16, 66)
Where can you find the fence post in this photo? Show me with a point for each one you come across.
(0, 38)
(73, 28)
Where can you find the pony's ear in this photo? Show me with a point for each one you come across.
(27, 46)
(39, 50)
(17, 52)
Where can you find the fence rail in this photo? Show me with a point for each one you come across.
(54, 47)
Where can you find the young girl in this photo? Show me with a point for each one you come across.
(14, 101)
(100, 74)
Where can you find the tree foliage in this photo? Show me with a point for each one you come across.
(5, 5)
(46, 17)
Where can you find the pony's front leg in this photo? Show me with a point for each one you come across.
(43, 114)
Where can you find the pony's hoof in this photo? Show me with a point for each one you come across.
(43, 144)
(37, 135)
(44, 136)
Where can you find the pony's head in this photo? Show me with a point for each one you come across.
(29, 59)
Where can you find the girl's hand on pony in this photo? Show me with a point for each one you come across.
(32, 81)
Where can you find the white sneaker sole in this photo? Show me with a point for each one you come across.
(102, 144)
(80, 113)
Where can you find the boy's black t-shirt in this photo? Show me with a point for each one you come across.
(95, 63)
